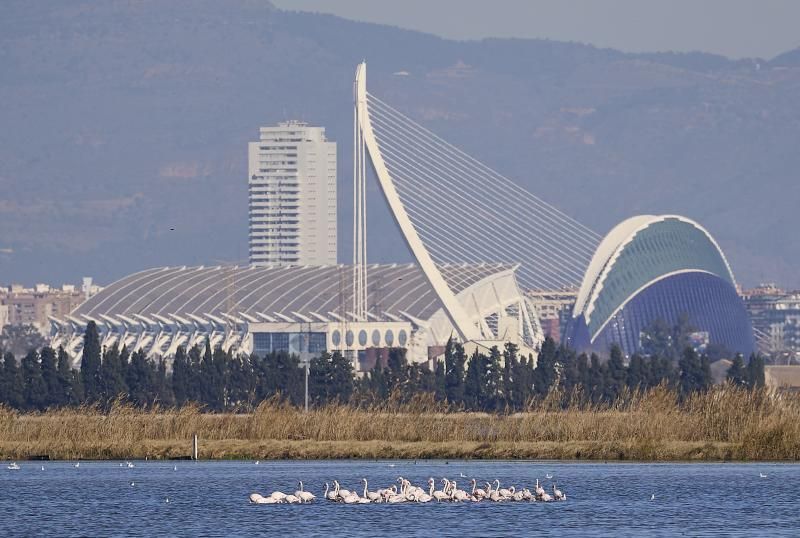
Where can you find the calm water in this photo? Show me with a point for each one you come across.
(210, 498)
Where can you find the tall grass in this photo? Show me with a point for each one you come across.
(724, 423)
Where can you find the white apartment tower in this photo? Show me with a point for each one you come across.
(292, 195)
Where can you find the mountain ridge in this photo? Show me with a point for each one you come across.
(130, 122)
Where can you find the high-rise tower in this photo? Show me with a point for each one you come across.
(292, 195)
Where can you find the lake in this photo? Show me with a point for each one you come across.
(211, 498)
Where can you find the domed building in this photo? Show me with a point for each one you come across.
(651, 268)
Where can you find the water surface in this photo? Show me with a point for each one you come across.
(210, 499)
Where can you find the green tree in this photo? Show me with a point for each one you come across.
(473, 382)
(140, 380)
(736, 371)
(342, 376)
(48, 363)
(545, 372)
(691, 372)
(455, 361)
(35, 389)
(492, 393)
(597, 379)
(20, 339)
(69, 381)
(13, 383)
(90, 363)
(440, 381)
(180, 376)
(162, 387)
(637, 377)
(755, 371)
(617, 375)
(511, 369)
(112, 375)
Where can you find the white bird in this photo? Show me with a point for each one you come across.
(504, 492)
(174, 467)
(652, 496)
(548, 476)
(340, 493)
(438, 495)
(762, 475)
(391, 465)
(462, 475)
(458, 494)
(558, 495)
(133, 483)
(257, 498)
(257, 462)
(539, 490)
(304, 496)
(373, 496)
(351, 498)
(330, 495)
(476, 491)
(166, 500)
(77, 465)
(278, 496)
(292, 499)
(42, 467)
(493, 494)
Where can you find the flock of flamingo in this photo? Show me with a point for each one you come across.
(409, 493)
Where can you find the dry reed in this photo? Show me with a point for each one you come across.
(725, 423)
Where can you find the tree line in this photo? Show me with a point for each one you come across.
(494, 381)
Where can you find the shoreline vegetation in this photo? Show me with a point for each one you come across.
(725, 423)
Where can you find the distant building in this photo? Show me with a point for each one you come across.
(776, 321)
(651, 268)
(292, 196)
(303, 310)
(36, 306)
(554, 308)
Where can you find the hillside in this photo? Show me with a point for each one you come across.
(125, 127)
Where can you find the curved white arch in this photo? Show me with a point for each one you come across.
(452, 307)
(610, 249)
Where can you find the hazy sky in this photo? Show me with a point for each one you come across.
(735, 28)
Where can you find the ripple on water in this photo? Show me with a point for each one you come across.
(210, 498)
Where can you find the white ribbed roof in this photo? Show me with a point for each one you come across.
(295, 292)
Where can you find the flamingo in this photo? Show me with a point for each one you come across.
(476, 491)
(304, 496)
(518, 495)
(341, 493)
(503, 492)
(558, 495)
(527, 495)
(292, 499)
(539, 490)
(257, 498)
(423, 497)
(459, 494)
(439, 495)
(329, 493)
(373, 496)
(278, 496)
(493, 494)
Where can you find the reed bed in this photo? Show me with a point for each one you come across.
(725, 423)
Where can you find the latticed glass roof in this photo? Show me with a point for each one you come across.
(294, 292)
(652, 248)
